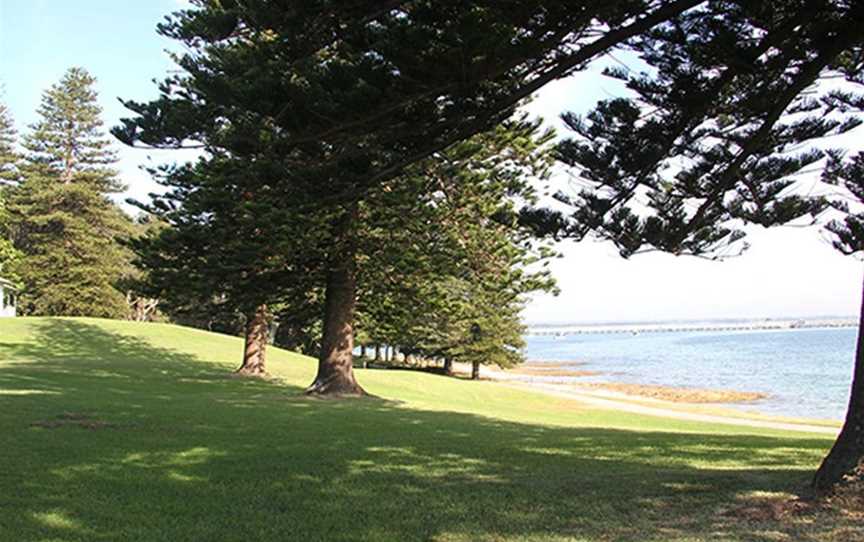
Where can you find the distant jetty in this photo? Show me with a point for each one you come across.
(636, 329)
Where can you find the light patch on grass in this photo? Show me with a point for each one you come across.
(180, 477)
(193, 456)
(56, 519)
(29, 392)
(549, 451)
(688, 487)
(759, 495)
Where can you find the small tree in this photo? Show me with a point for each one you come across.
(451, 253)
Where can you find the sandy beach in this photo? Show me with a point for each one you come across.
(662, 401)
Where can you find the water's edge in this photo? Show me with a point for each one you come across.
(805, 372)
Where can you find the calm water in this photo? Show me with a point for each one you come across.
(805, 372)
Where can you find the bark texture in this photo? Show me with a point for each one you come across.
(846, 458)
(255, 348)
(475, 370)
(448, 365)
(336, 360)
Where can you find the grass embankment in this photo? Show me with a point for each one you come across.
(122, 431)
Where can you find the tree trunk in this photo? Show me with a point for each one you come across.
(377, 352)
(846, 458)
(363, 351)
(255, 349)
(475, 370)
(335, 362)
(448, 365)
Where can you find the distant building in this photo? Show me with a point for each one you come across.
(7, 298)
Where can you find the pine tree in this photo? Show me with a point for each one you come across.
(60, 214)
(227, 248)
(444, 254)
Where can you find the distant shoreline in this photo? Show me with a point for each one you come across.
(692, 326)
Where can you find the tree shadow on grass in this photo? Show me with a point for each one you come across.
(192, 455)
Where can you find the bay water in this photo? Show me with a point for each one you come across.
(806, 373)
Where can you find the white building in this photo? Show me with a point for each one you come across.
(7, 298)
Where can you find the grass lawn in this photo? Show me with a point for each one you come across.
(124, 431)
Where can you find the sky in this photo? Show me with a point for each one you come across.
(787, 272)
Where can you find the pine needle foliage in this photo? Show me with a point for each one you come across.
(60, 214)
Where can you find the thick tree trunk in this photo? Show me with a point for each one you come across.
(377, 352)
(335, 362)
(255, 348)
(846, 458)
(475, 370)
(363, 351)
(448, 365)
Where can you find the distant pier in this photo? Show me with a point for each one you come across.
(637, 329)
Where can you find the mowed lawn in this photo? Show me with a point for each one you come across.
(124, 431)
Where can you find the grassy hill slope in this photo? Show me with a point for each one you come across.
(123, 431)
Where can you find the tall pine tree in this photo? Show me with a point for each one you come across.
(60, 215)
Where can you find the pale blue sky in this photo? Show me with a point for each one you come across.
(787, 272)
(115, 41)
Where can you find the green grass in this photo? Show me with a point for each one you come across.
(123, 431)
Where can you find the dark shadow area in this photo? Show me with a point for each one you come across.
(186, 453)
